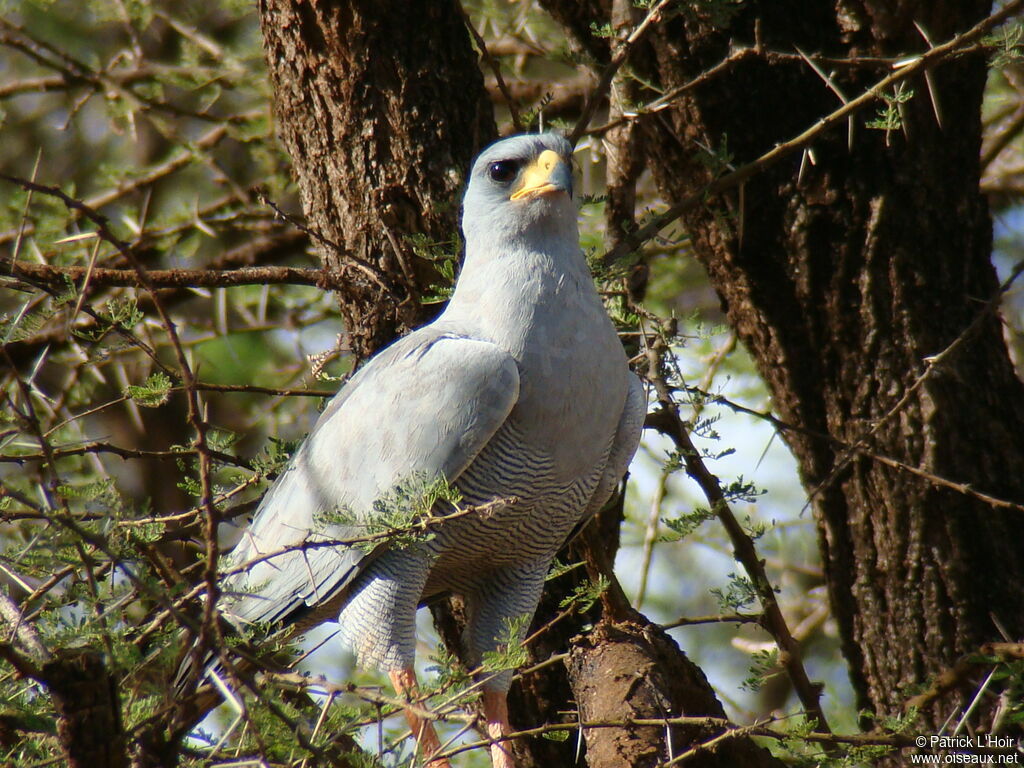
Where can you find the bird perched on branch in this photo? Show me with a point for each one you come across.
(518, 396)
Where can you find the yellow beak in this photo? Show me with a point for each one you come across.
(548, 174)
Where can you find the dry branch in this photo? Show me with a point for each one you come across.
(670, 424)
(178, 278)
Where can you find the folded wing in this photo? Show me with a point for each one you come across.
(423, 408)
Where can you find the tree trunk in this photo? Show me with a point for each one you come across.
(842, 281)
(88, 710)
(382, 107)
(632, 670)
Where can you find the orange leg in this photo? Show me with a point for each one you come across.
(496, 712)
(404, 682)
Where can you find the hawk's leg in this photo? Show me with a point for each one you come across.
(496, 712)
(404, 682)
(493, 608)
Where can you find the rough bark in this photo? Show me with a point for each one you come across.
(623, 156)
(841, 283)
(631, 669)
(89, 726)
(627, 668)
(381, 106)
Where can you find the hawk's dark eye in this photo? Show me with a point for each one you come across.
(503, 171)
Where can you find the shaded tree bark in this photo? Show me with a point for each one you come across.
(627, 668)
(89, 728)
(842, 282)
(630, 669)
(88, 710)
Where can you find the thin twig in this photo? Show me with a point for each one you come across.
(743, 547)
(99, 446)
(858, 446)
(716, 723)
(619, 56)
(1001, 140)
(22, 631)
(495, 66)
(209, 634)
(725, 618)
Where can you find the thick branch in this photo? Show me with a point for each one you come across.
(179, 278)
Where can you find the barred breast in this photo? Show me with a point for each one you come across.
(502, 555)
(529, 530)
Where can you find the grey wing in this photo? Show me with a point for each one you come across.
(424, 407)
(624, 445)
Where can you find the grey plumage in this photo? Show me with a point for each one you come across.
(519, 389)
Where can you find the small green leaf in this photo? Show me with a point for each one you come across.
(153, 393)
(510, 653)
(585, 595)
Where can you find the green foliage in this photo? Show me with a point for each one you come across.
(562, 735)
(1008, 674)
(558, 568)
(1007, 44)
(755, 529)
(718, 160)
(583, 596)
(531, 118)
(92, 527)
(889, 117)
(764, 664)
(899, 723)
(27, 321)
(416, 496)
(153, 393)
(868, 754)
(100, 489)
(448, 670)
(623, 316)
(408, 502)
(510, 653)
(444, 257)
(739, 490)
(163, 124)
(401, 515)
(737, 595)
(686, 523)
(190, 485)
(124, 312)
(274, 457)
